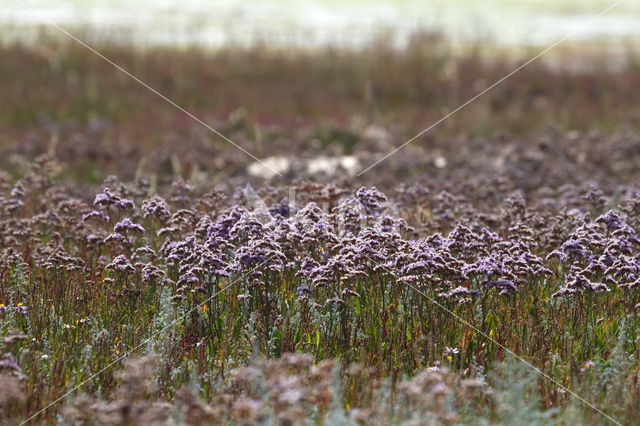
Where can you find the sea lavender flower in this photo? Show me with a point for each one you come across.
(460, 292)
(280, 209)
(121, 264)
(106, 198)
(95, 215)
(156, 207)
(125, 204)
(303, 290)
(334, 301)
(504, 286)
(631, 285)
(144, 251)
(347, 292)
(188, 278)
(126, 225)
(565, 292)
(151, 272)
(115, 237)
(611, 219)
(371, 198)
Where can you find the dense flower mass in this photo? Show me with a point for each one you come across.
(196, 275)
(152, 273)
(337, 245)
(333, 249)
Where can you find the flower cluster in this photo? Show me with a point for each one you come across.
(599, 254)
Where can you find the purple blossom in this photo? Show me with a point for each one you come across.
(156, 207)
(460, 293)
(106, 199)
(371, 198)
(126, 225)
(95, 215)
(612, 220)
(121, 264)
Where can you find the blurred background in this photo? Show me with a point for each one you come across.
(324, 77)
(317, 22)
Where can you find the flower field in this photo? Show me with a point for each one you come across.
(479, 277)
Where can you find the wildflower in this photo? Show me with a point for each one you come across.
(167, 231)
(156, 207)
(94, 239)
(303, 290)
(450, 352)
(95, 215)
(587, 365)
(460, 293)
(371, 198)
(564, 291)
(347, 292)
(106, 198)
(151, 272)
(121, 264)
(612, 220)
(115, 236)
(334, 301)
(505, 286)
(124, 204)
(280, 209)
(126, 225)
(188, 278)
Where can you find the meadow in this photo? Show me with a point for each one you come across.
(142, 259)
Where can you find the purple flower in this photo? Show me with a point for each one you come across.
(151, 272)
(117, 237)
(121, 264)
(280, 209)
(460, 293)
(156, 207)
(95, 215)
(188, 278)
(126, 225)
(125, 204)
(106, 198)
(505, 286)
(303, 290)
(371, 198)
(611, 219)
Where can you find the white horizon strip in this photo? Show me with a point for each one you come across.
(473, 99)
(135, 348)
(151, 89)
